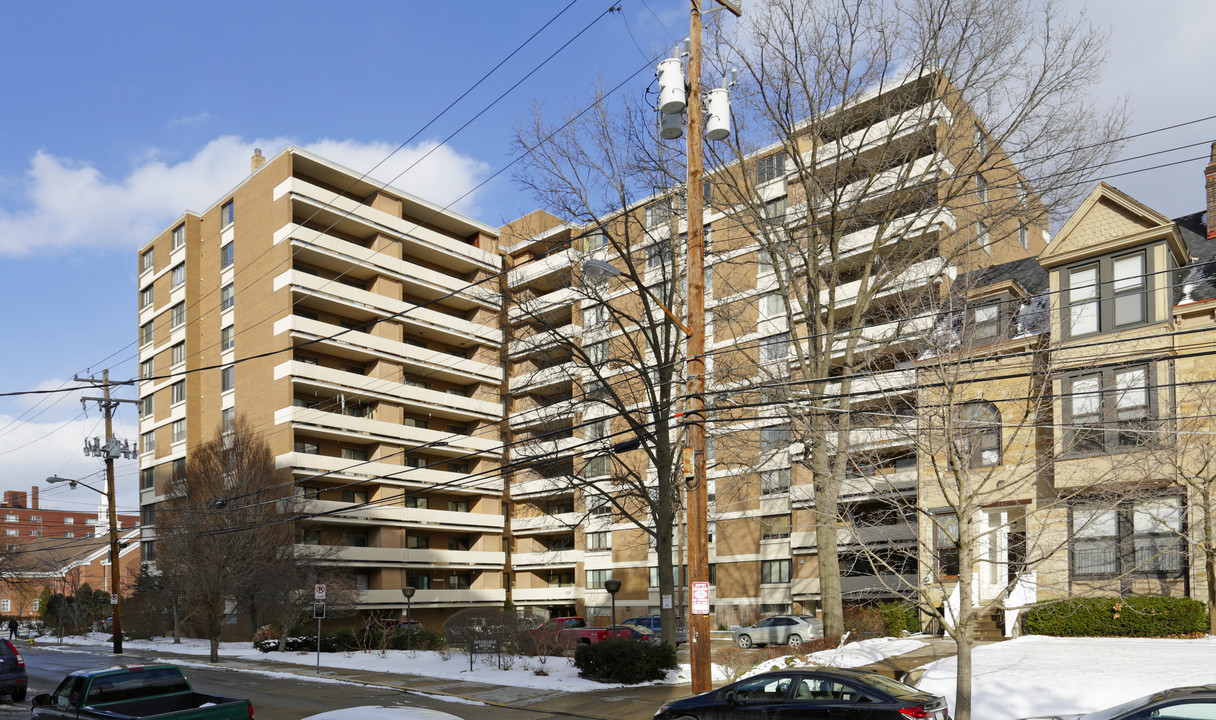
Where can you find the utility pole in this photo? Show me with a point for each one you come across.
(697, 500)
(111, 450)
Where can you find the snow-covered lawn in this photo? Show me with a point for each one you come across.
(1048, 676)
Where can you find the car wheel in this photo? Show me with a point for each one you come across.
(744, 641)
(794, 641)
(18, 695)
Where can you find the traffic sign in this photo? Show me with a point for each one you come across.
(318, 592)
(700, 598)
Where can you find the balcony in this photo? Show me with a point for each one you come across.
(544, 487)
(875, 386)
(544, 307)
(547, 559)
(304, 465)
(915, 276)
(879, 483)
(332, 253)
(334, 512)
(543, 524)
(363, 347)
(545, 595)
(557, 262)
(334, 426)
(370, 556)
(884, 335)
(546, 339)
(549, 378)
(911, 225)
(532, 416)
(898, 433)
(536, 449)
(921, 170)
(882, 133)
(433, 598)
(361, 220)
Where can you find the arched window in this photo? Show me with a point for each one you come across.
(980, 434)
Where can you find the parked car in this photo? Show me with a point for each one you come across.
(655, 623)
(1189, 703)
(13, 680)
(810, 693)
(789, 630)
(122, 693)
(566, 632)
(637, 632)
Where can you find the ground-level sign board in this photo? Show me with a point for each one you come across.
(700, 598)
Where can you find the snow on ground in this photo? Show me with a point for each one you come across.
(855, 654)
(1038, 675)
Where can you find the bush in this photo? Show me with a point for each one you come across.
(1117, 617)
(898, 618)
(624, 661)
(863, 623)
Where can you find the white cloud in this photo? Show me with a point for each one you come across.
(190, 119)
(69, 204)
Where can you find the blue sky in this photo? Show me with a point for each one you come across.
(118, 117)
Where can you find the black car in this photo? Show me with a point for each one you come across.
(1196, 702)
(810, 694)
(13, 680)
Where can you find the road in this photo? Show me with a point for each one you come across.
(278, 697)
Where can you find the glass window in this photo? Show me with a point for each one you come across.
(147, 406)
(775, 349)
(146, 369)
(775, 438)
(945, 534)
(178, 315)
(227, 378)
(145, 297)
(980, 434)
(598, 506)
(227, 297)
(598, 466)
(770, 168)
(981, 188)
(145, 333)
(774, 527)
(179, 430)
(147, 442)
(597, 578)
(986, 322)
(458, 506)
(147, 261)
(147, 479)
(657, 254)
(981, 141)
(226, 255)
(227, 213)
(599, 541)
(775, 482)
(308, 448)
(177, 354)
(1023, 238)
(179, 236)
(178, 275)
(774, 210)
(227, 337)
(775, 571)
(1129, 289)
(354, 454)
(772, 306)
(227, 418)
(1083, 300)
(595, 239)
(982, 237)
(658, 213)
(597, 353)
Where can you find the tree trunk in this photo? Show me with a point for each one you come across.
(1209, 556)
(215, 648)
(827, 492)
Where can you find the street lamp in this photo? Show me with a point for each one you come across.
(408, 592)
(115, 595)
(613, 587)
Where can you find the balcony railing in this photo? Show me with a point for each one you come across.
(318, 423)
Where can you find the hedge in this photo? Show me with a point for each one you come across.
(1136, 616)
(624, 661)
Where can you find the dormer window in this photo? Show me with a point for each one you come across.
(986, 322)
(1129, 289)
(1108, 294)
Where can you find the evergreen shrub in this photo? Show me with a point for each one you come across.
(1117, 617)
(624, 661)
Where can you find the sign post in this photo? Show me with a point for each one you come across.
(700, 598)
(318, 611)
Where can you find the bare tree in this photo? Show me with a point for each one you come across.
(884, 145)
(224, 523)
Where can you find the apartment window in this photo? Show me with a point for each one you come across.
(1142, 537)
(981, 188)
(177, 315)
(1107, 295)
(146, 369)
(770, 168)
(598, 429)
(764, 263)
(775, 348)
(147, 442)
(981, 141)
(178, 275)
(179, 236)
(308, 448)
(227, 378)
(980, 434)
(412, 382)
(595, 316)
(676, 571)
(147, 261)
(772, 306)
(459, 467)
(774, 210)
(1023, 238)
(945, 540)
(1109, 410)
(598, 466)
(416, 542)
(354, 454)
(599, 541)
(179, 468)
(227, 337)
(177, 354)
(227, 214)
(658, 213)
(11, 532)
(354, 496)
(775, 438)
(68, 534)
(561, 578)
(355, 539)
(458, 506)
(418, 503)
(145, 334)
(1128, 290)
(598, 506)
(982, 237)
(145, 297)
(227, 255)
(6, 606)
(227, 297)
(595, 239)
(597, 353)
(147, 516)
(179, 431)
(1022, 192)
(658, 254)
(460, 543)
(415, 422)
(460, 581)
(774, 527)
(227, 418)
(306, 359)
(597, 578)
(415, 462)
(775, 571)
(11, 518)
(986, 322)
(147, 479)
(775, 482)
(306, 314)
(147, 406)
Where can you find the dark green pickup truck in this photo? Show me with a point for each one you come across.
(123, 693)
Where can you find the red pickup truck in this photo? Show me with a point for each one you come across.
(566, 632)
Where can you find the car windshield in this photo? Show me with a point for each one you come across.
(1116, 711)
(887, 685)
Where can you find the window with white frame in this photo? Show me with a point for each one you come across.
(146, 369)
(147, 405)
(982, 237)
(145, 297)
(597, 353)
(774, 571)
(227, 214)
(179, 431)
(227, 337)
(1023, 236)
(774, 210)
(177, 354)
(775, 438)
(1141, 537)
(764, 262)
(981, 188)
(147, 442)
(595, 316)
(178, 275)
(6, 605)
(599, 541)
(1083, 300)
(658, 213)
(770, 168)
(598, 429)
(775, 482)
(595, 239)
(657, 254)
(981, 141)
(227, 297)
(179, 236)
(597, 578)
(598, 506)
(145, 334)
(775, 348)
(772, 306)
(979, 434)
(178, 315)
(1023, 193)
(227, 378)
(774, 527)
(147, 261)
(1128, 290)
(227, 255)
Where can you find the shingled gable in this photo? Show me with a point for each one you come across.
(1109, 220)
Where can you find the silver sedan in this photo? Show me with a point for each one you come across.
(789, 630)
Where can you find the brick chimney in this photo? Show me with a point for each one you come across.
(258, 161)
(1209, 174)
(34, 497)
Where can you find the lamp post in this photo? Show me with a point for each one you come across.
(613, 587)
(115, 595)
(408, 592)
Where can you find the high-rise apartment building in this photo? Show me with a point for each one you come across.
(356, 328)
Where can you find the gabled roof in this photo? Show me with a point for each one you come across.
(1109, 220)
